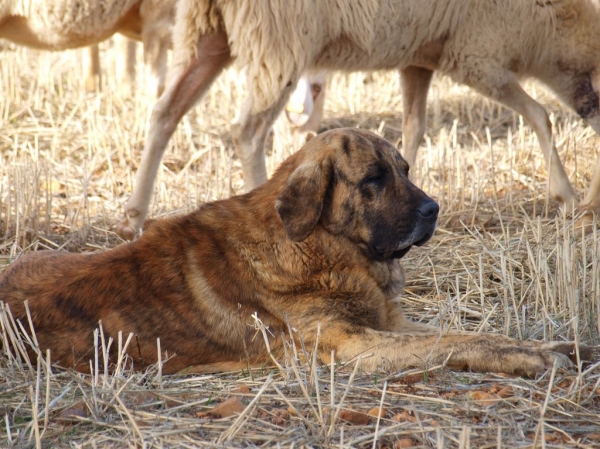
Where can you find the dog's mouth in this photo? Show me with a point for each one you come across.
(398, 253)
(388, 254)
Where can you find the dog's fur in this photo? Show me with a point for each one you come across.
(319, 243)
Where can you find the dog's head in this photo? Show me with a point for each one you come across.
(354, 183)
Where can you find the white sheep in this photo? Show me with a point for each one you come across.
(151, 24)
(65, 24)
(483, 44)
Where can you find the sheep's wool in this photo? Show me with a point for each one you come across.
(60, 24)
(276, 40)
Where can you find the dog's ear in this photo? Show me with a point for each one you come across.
(301, 202)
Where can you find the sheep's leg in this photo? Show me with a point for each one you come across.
(318, 87)
(158, 66)
(591, 201)
(249, 136)
(415, 85)
(156, 37)
(93, 75)
(155, 58)
(513, 96)
(126, 64)
(187, 84)
(299, 107)
(304, 109)
(129, 47)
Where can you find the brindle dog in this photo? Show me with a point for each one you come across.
(319, 243)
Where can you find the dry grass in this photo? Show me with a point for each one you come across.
(504, 260)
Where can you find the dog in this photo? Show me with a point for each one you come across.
(318, 246)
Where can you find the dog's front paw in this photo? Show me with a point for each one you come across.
(538, 362)
(569, 349)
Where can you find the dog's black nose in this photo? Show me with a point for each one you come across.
(428, 209)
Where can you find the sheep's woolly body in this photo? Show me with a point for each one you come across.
(277, 39)
(60, 24)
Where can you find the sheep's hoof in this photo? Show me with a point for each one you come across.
(586, 222)
(125, 230)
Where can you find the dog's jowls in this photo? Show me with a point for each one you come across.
(319, 243)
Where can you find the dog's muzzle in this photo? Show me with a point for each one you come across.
(425, 224)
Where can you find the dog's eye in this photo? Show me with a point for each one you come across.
(375, 180)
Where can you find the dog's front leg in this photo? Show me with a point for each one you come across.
(465, 351)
